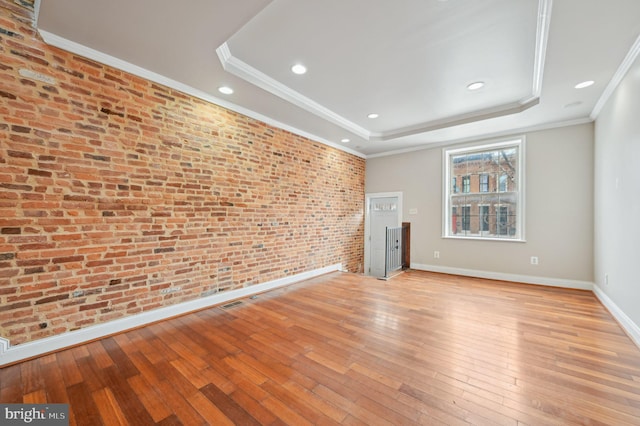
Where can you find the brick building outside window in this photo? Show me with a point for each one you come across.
(487, 204)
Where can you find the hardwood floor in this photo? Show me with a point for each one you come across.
(421, 348)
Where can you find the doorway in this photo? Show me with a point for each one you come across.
(382, 210)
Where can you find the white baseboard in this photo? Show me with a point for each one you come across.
(526, 279)
(12, 354)
(630, 327)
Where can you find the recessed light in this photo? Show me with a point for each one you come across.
(226, 90)
(299, 69)
(584, 84)
(476, 85)
(373, 115)
(345, 140)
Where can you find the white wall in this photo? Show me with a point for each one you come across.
(617, 197)
(559, 212)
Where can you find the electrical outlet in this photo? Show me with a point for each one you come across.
(436, 255)
(534, 260)
(606, 279)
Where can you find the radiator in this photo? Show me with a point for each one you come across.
(393, 251)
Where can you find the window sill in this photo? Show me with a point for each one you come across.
(481, 238)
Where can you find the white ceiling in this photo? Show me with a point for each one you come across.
(409, 61)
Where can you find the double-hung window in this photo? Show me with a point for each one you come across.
(484, 182)
(490, 202)
(466, 184)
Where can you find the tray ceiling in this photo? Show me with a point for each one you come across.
(408, 61)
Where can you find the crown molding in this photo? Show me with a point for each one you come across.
(36, 12)
(485, 137)
(254, 76)
(542, 38)
(617, 78)
(103, 58)
(458, 120)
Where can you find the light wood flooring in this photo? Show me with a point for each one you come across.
(421, 348)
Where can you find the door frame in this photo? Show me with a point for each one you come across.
(367, 221)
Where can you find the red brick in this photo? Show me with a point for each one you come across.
(110, 183)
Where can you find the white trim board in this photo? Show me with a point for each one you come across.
(525, 279)
(630, 327)
(367, 222)
(12, 354)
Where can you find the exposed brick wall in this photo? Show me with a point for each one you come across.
(113, 188)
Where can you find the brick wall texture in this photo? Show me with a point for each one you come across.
(113, 188)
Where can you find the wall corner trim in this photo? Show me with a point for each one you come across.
(631, 328)
(500, 276)
(13, 354)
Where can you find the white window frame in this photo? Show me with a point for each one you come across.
(447, 153)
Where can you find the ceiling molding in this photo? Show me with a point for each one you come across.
(36, 12)
(485, 137)
(103, 58)
(256, 77)
(542, 38)
(617, 78)
(478, 115)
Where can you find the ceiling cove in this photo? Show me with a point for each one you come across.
(245, 71)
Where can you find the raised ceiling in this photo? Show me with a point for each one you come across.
(409, 61)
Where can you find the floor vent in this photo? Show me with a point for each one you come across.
(232, 304)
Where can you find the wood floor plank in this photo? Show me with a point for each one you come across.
(125, 397)
(208, 410)
(124, 365)
(69, 369)
(422, 348)
(36, 397)
(285, 413)
(31, 377)
(54, 383)
(150, 398)
(82, 407)
(183, 411)
(108, 407)
(228, 406)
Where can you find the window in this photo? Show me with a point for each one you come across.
(503, 220)
(466, 184)
(484, 218)
(484, 182)
(504, 183)
(489, 203)
(466, 218)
